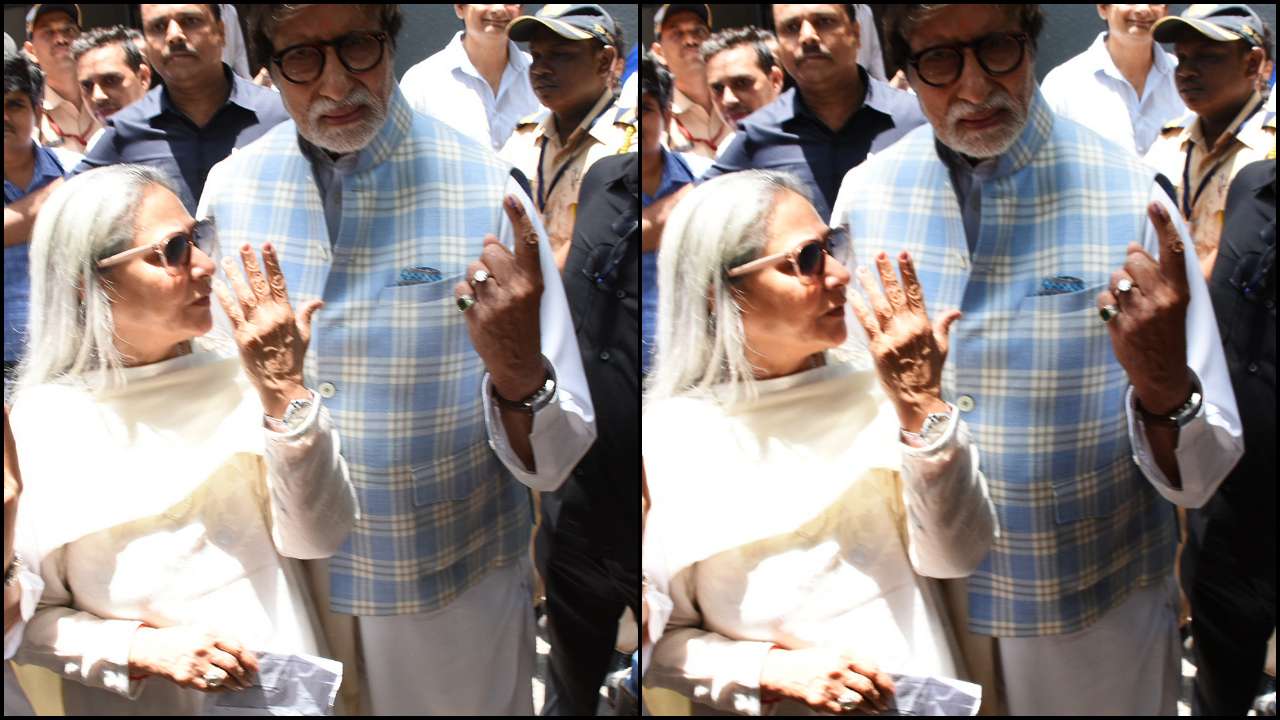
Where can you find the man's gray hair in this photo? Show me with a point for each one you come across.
(718, 225)
(92, 216)
(131, 41)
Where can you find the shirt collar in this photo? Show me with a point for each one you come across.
(458, 58)
(390, 135)
(675, 174)
(1033, 136)
(46, 168)
(240, 95)
(877, 100)
(52, 100)
(1238, 128)
(1101, 60)
(588, 123)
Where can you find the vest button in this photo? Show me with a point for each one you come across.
(327, 389)
(604, 355)
(964, 403)
(1253, 367)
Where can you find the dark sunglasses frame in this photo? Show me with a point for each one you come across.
(837, 242)
(338, 43)
(976, 46)
(174, 251)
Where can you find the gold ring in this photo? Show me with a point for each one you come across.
(1108, 312)
(465, 302)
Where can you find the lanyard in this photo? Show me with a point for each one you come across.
(82, 139)
(1189, 199)
(689, 136)
(543, 196)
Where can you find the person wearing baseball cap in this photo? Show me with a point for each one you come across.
(573, 49)
(1220, 51)
(696, 126)
(68, 122)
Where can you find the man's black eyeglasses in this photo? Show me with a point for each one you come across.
(997, 54)
(358, 52)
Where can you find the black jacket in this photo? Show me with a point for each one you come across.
(1239, 520)
(600, 502)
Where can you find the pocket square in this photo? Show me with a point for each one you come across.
(418, 275)
(1060, 285)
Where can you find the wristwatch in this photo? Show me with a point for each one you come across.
(1181, 415)
(927, 435)
(539, 399)
(11, 572)
(294, 416)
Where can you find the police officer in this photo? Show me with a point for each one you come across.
(573, 49)
(1220, 49)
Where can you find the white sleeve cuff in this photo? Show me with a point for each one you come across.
(557, 438)
(1206, 452)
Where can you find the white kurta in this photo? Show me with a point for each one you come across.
(798, 519)
(208, 542)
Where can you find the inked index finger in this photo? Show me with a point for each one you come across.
(1173, 261)
(526, 249)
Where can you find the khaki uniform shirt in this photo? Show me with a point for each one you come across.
(64, 125)
(693, 130)
(1201, 182)
(605, 130)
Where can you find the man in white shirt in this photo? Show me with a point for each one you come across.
(1122, 86)
(479, 84)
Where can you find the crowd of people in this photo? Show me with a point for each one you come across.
(423, 360)
(954, 373)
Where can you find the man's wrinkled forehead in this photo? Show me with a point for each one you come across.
(151, 13)
(112, 53)
(739, 61)
(783, 13)
(294, 30)
(952, 24)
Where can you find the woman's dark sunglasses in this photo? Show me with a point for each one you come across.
(808, 259)
(174, 251)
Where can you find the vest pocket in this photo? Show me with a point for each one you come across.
(1097, 493)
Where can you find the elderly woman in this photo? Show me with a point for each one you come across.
(797, 502)
(169, 485)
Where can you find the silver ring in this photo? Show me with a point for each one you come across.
(465, 302)
(480, 276)
(214, 677)
(1108, 312)
(847, 700)
(1124, 286)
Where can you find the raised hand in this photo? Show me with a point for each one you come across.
(500, 299)
(909, 351)
(192, 657)
(1147, 306)
(272, 340)
(828, 680)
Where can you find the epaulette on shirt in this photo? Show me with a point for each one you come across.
(1176, 125)
(533, 118)
(626, 116)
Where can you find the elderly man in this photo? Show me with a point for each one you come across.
(111, 70)
(741, 72)
(833, 118)
(1087, 418)
(397, 222)
(67, 122)
(199, 115)
(1220, 49)
(573, 49)
(695, 126)
(479, 83)
(1122, 86)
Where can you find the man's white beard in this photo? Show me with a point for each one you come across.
(987, 143)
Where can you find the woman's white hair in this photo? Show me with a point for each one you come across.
(70, 330)
(700, 342)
